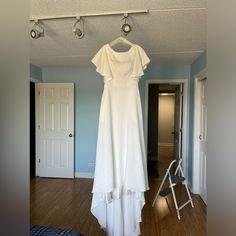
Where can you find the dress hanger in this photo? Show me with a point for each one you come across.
(121, 40)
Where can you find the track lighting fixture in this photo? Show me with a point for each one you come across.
(126, 28)
(37, 31)
(78, 31)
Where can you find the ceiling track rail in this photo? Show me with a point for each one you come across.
(35, 18)
(38, 18)
(178, 9)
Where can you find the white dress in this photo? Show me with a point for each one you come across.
(120, 171)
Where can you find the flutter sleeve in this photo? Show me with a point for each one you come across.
(100, 60)
(141, 61)
(144, 59)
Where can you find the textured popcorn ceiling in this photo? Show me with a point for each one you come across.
(175, 35)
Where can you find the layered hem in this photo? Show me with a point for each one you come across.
(119, 212)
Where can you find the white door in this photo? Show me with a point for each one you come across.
(203, 139)
(178, 123)
(56, 130)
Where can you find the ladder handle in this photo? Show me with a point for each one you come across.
(179, 167)
(162, 183)
(171, 165)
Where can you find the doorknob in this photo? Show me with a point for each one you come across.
(200, 137)
(70, 135)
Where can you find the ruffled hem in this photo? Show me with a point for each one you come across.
(117, 193)
(119, 212)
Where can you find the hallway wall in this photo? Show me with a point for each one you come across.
(166, 119)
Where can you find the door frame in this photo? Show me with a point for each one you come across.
(185, 105)
(196, 131)
(37, 116)
(36, 81)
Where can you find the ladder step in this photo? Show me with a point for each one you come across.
(189, 201)
(177, 179)
(165, 192)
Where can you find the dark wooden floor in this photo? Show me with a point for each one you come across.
(65, 203)
(157, 167)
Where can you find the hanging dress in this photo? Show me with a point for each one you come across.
(120, 178)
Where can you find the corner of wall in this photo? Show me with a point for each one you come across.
(35, 72)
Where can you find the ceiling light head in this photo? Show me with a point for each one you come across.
(37, 31)
(126, 28)
(78, 31)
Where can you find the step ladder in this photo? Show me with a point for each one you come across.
(173, 180)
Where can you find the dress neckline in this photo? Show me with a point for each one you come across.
(120, 53)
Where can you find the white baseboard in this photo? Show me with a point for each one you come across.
(84, 175)
(166, 144)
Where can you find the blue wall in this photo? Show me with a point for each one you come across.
(164, 72)
(35, 72)
(88, 92)
(198, 65)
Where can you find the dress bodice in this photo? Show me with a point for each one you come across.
(121, 65)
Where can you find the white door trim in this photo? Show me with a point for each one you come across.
(37, 115)
(196, 131)
(185, 105)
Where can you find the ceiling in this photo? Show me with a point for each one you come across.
(173, 32)
(167, 87)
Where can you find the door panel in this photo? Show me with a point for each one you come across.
(56, 119)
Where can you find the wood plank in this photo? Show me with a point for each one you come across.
(65, 203)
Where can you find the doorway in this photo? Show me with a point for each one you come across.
(32, 130)
(165, 112)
